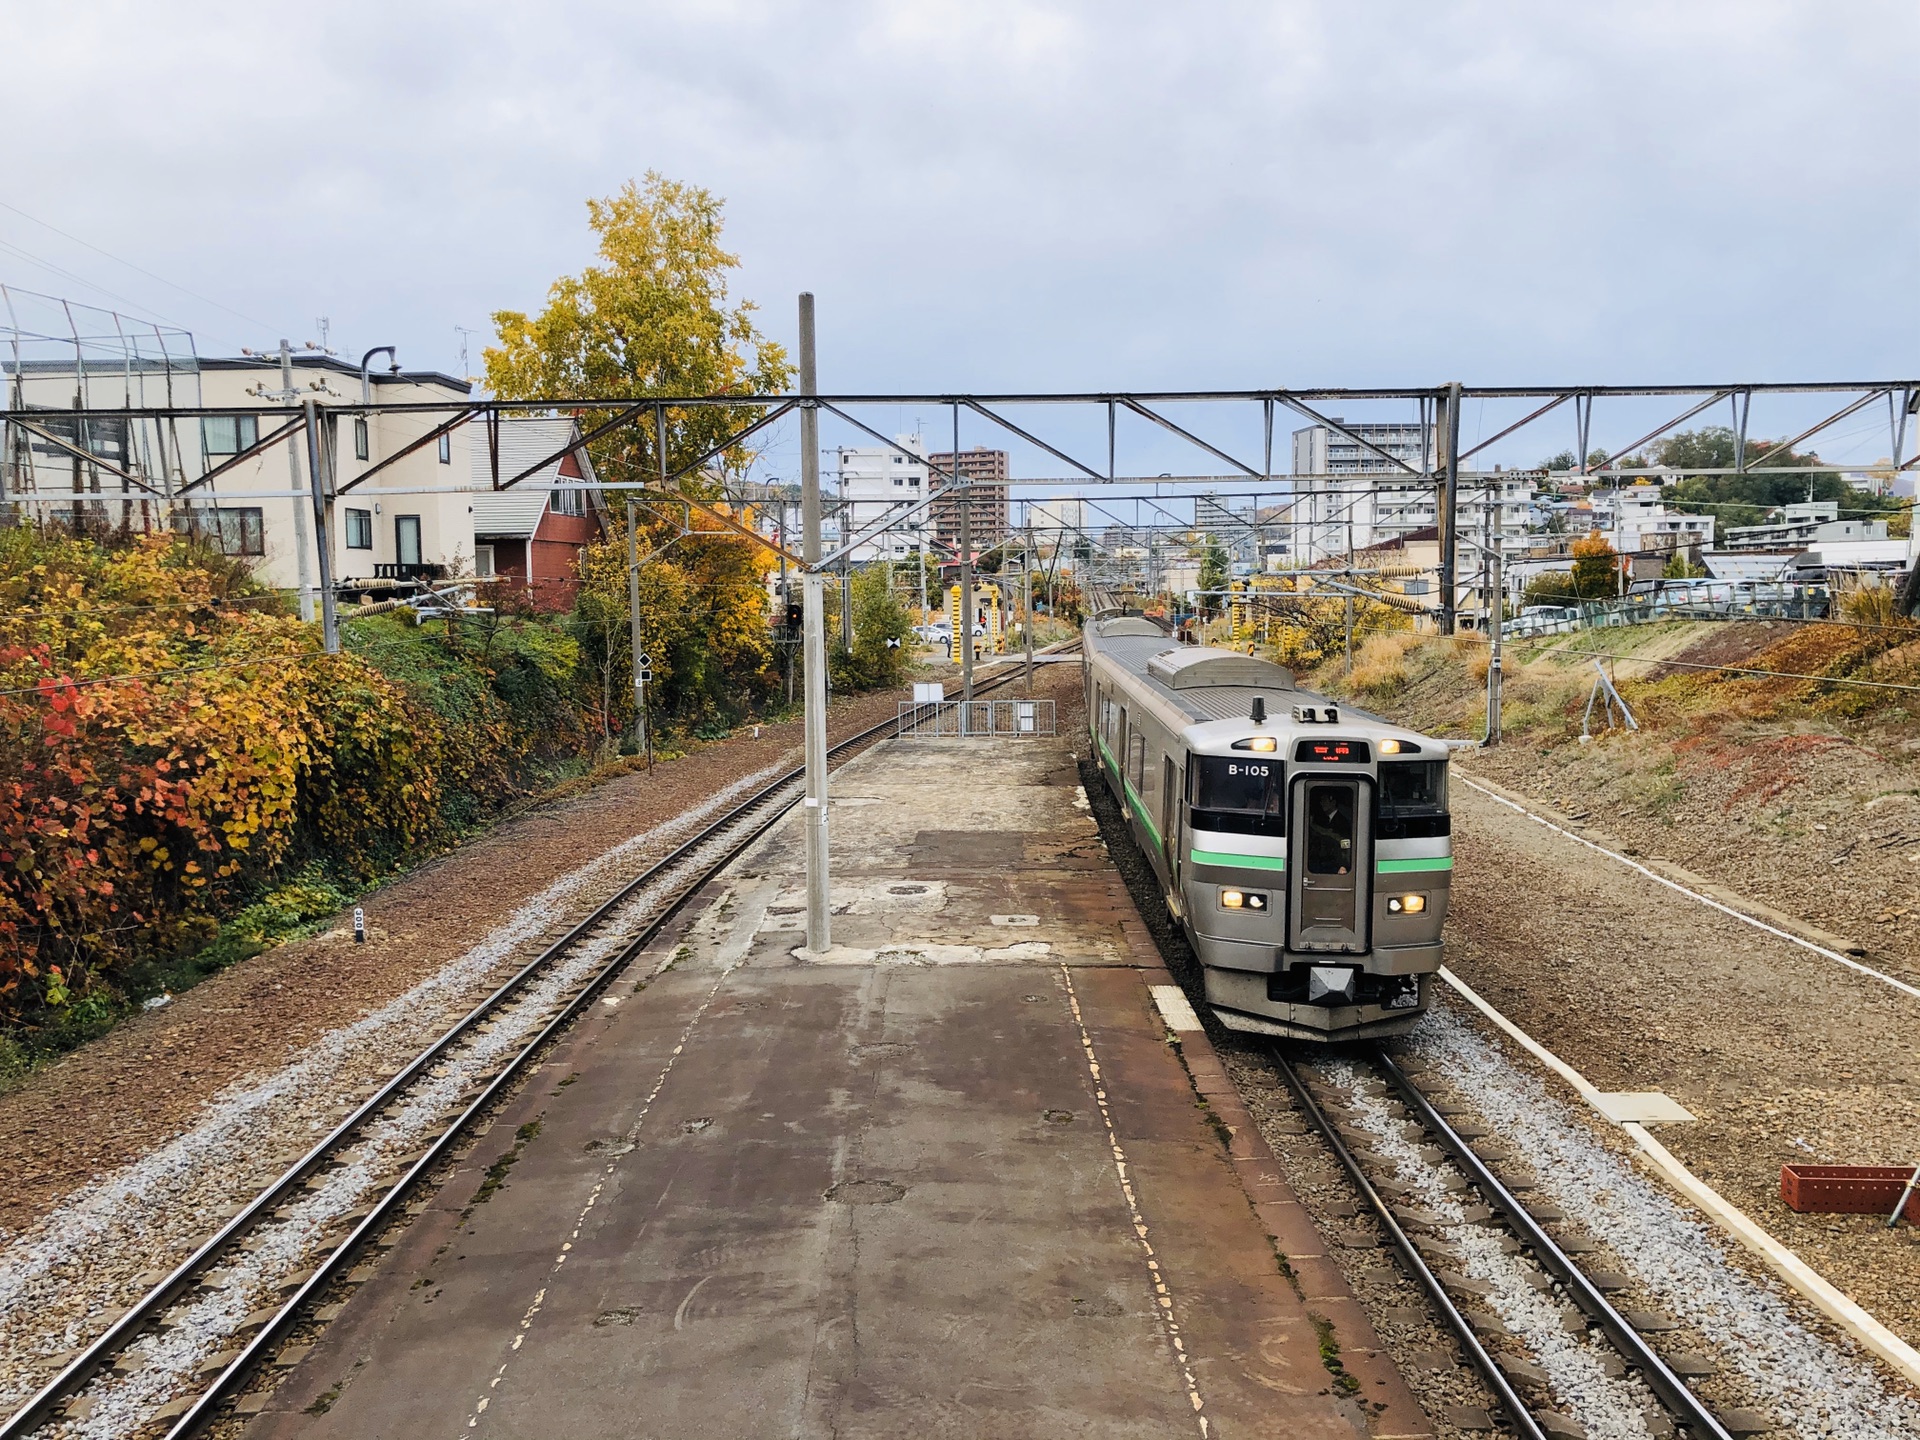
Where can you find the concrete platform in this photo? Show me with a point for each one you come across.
(952, 1178)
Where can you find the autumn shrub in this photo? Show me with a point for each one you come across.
(174, 747)
(1379, 665)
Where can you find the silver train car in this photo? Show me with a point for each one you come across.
(1305, 847)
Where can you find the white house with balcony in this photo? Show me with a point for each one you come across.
(410, 517)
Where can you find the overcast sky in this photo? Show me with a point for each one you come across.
(997, 196)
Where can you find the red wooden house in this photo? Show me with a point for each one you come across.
(534, 532)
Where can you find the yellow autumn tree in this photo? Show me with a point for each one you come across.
(654, 318)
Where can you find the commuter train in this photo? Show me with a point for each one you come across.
(1304, 847)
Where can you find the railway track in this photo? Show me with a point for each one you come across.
(1625, 1390)
(481, 1057)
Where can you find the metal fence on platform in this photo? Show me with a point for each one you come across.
(1018, 719)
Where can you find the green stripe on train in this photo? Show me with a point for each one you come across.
(1401, 867)
(1140, 807)
(1247, 862)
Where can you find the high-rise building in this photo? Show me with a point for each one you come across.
(882, 485)
(985, 474)
(1350, 497)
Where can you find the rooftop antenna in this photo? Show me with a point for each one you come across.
(464, 362)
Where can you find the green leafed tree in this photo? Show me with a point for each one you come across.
(1214, 572)
(1745, 499)
(882, 654)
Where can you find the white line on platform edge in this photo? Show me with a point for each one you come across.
(1782, 1261)
(1171, 1002)
(1706, 900)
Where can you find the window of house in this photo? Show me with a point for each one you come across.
(228, 434)
(242, 530)
(483, 561)
(360, 529)
(446, 449)
(568, 502)
(360, 438)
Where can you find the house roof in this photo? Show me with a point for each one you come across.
(515, 514)
(332, 363)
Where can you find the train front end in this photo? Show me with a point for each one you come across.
(1315, 877)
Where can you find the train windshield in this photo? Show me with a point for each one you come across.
(1246, 787)
(1413, 787)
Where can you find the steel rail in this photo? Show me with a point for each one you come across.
(78, 1372)
(1673, 1392)
(1416, 1262)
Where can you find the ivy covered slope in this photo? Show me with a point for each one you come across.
(176, 750)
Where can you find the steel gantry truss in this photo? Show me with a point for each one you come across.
(1442, 458)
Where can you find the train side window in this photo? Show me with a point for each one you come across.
(1137, 761)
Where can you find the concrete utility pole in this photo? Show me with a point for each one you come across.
(819, 923)
(633, 622)
(1496, 603)
(1450, 513)
(1026, 587)
(321, 476)
(300, 542)
(965, 637)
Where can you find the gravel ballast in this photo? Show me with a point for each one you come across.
(1812, 1385)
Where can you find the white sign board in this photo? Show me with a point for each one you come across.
(929, 693)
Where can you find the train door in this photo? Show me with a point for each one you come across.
(1169, 820)
(1328, 867)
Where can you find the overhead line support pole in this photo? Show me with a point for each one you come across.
(321, 480)
(819, 923)
(965, 637)
(1450, 514)
(642, 742)
(303, 565)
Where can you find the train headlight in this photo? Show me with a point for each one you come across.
(1407, 904)
(1264, 743)
(1389, 747)
(1242, 900)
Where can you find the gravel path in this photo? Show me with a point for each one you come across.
(1783, 1055)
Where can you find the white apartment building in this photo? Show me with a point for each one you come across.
(412, 518)
(1350, 497)
(1055, 522)
(878, 485)
(1638, 521)
(1802, 524)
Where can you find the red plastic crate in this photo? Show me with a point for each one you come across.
(1848, 1189)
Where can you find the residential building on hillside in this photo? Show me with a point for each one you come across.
(882, 485)
(1636, 519)
(1801, 525)
(533, 532)
(985, 473)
